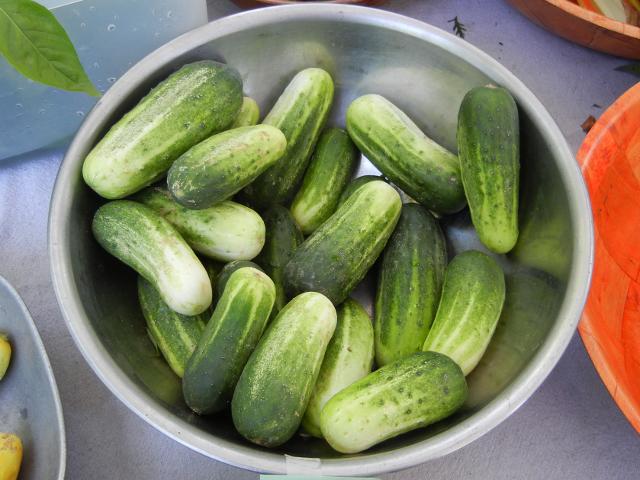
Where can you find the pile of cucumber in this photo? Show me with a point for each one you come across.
(249, 248)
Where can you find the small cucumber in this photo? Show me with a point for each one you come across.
(331, 167)
(275, 386)
(5, 354)
(199, 99)
(410, 393)
(355, 184)
(227, 271)
(489, 150)
(409, 284)
(336, 257)
(175, 335)
(248, 115)
(226, 231)
(149, 244)
(231, 335)
(470, 306)
(11, 456)
(221, 165)
(428, 172)
(349, 357)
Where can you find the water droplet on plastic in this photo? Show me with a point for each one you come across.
(80, 113)
(92, 8)
(111, 79)
(169, 14)
(156, 34)
(41, 111)
(116, 17)
(96, 65)
(83, 25)
(19, 105)
(111, 27)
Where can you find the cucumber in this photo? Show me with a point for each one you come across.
(231, 335)
(300, 113)
(409, 284)
(227, 271)
(139, 237)
(428, 172)
(332, 165)
(283, 237)
(489, 151)
(5, 354)
(355, 184)
(470, 306)
(275, 386)
(410, 393)
(336, 257)
(175, 335)
(248, 115)
(223, 164)
(194, 102)
(348, 358)
(226, 231)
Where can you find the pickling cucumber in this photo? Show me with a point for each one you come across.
(218, 167)
(191, 104)
(5, 354)
(275, 386)
(425, 170)
(472, 298)
(149, 244)
(409, 284)
(355, 184)
(227, 271)
(336, 257)
(248, 115)
(231, 335)
(332, 165)
(410, 393)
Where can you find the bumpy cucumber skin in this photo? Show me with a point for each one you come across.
(282, 238)
(175, 335)
(223, 164)
(489, 151)
(194, 102)
(428, 172)
(410, 393)
(336, 257)
(226, 231)
(409, 284)
(149, 244)
(300, 113)
(275, 386)
(332, 165)
(355, 184)
(472, 299)
(348, 358)
(248, 115)
(226, 344)
(228, 270)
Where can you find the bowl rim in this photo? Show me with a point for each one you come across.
(597, 19)
(245, 456)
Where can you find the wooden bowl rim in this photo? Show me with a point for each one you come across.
(597, 19)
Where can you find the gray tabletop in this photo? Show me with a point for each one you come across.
(569, 429)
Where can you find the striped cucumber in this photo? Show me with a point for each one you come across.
(409, 284)
(226, 231)
(175, 335)
(410, 393)
(194, 102)
(349, 357)
(470, 306)
(428, 172)
(336, 257)
(489, 150)
(276, 384)
(331, 167)
(355, 184)
(231, 335)
(149, 244)
(227, 271)
(300, 113)
(248, 115)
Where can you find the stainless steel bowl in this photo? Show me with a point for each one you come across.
(426, 72)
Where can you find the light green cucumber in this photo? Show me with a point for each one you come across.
(248, 115)
(355, 184)
(227, 271)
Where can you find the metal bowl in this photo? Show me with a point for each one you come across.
(426, 72)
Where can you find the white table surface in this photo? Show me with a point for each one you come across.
(569, 429)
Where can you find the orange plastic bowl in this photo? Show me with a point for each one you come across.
(610, 326)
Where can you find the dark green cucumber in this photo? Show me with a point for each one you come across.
(199, 99)
(336, 257)
(173, 334)
(275, 386)
(149, 244)
(332, 165)
(409, 284)
(470, 306)
(489, 150)
(226, 344)
(248, 115)
(348, 358)
(282, 238)
(300, 113)
(428, 172)
(227, 271)
(355, 184)
(223, 164)
(404, 395)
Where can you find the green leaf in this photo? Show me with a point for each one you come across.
(633, 68)
(35, 44)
